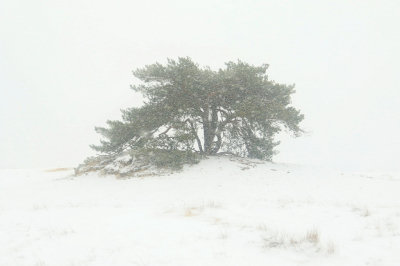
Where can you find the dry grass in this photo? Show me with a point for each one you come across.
(189, 212)
(262, 227)
(366, 212)
(392, 227)
(40, 207)
(330, 247)
(378, 227)
(58, 169)
(358, 236)
(223, 232)
(197, 209)
(214, 205)
(282, 238)
(312, 236)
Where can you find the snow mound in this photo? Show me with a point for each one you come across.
(221, 211)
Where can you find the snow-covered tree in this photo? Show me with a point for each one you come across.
(189, 108)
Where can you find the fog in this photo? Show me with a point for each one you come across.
(66, 67)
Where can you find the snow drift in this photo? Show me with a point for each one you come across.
(222, 211)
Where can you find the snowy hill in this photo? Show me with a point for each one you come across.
(222, 211)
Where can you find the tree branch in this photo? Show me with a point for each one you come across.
(166, 131)
(195, 134)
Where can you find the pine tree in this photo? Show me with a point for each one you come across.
(188, 108)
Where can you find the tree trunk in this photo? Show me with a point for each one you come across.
(196, 136)
(210, 125)
(206, 130)
(214, 126)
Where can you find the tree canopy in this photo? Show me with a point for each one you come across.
(190, 108)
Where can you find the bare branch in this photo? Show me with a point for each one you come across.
(166, 131)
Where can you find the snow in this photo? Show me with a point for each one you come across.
(222, 211)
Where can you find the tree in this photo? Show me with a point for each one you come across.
(188, 108)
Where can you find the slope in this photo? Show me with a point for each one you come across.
(223, 211)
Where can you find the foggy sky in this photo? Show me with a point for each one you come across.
(66, 66)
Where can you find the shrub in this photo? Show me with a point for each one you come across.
(173, 159)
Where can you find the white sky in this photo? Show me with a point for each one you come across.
(65, 67)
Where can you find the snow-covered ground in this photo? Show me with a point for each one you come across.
(220, 212)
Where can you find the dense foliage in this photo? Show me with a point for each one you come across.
(188, 108)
